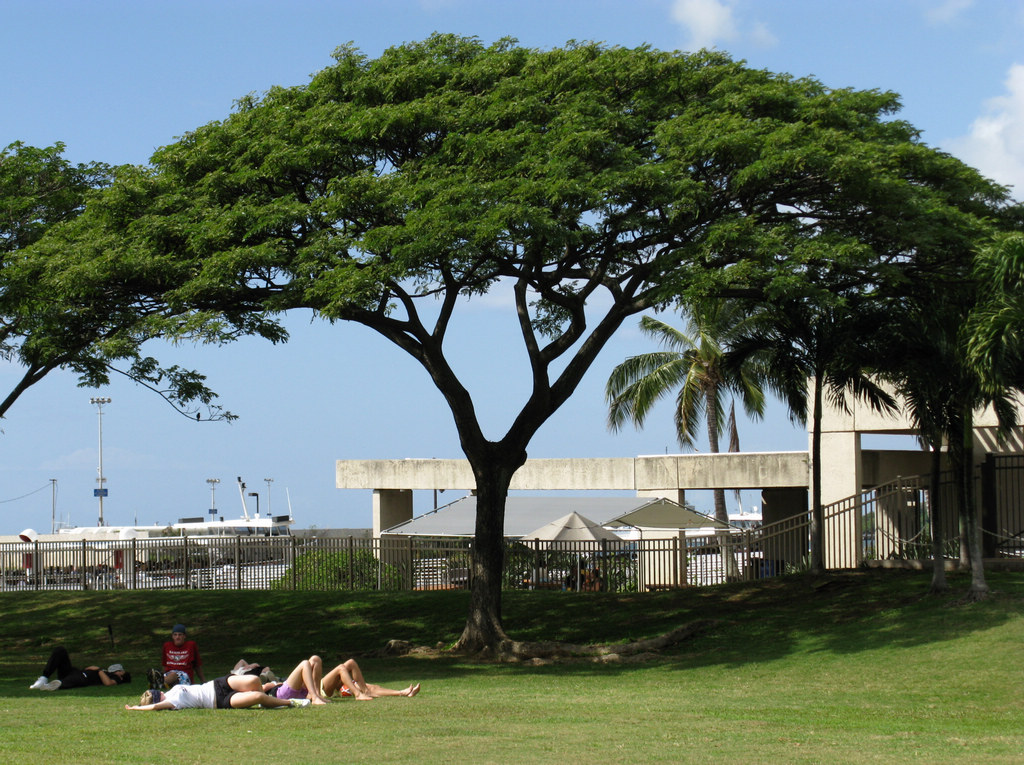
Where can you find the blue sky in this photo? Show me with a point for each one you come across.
(115, 80)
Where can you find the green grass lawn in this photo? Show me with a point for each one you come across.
(862, 669)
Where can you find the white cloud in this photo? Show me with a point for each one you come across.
(81, 458)
(114, 459)
(709, 21)
(946, 11)
(763, 36)
(995, 143)
(432, 6)
(714, 22)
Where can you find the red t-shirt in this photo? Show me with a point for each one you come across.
(184, 657)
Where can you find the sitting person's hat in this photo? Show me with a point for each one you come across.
(178, 628)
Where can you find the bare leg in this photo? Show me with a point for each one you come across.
(246, 699)
(316, 669)
(170, 679)
(341, 676)
(303, 676)
(360, 687)
(376, 690)
(245, 683)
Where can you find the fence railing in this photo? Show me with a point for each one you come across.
(294, 563)
(889, 521)
(894, 521)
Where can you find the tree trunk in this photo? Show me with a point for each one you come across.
(724, 538)
(817, 511)
(484, 629)
(979, 588)
(939, 584)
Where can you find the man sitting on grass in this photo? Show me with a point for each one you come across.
(180, 653)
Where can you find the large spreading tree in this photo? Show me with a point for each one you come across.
(71, 299)
(39, 190)
(590, 183)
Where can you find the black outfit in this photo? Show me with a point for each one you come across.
(223, 692)
(72, 677)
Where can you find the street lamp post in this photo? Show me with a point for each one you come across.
(213, 488)
(101, 490)
(53, 505)
(268, 481)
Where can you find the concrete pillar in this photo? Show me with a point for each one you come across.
(841, 482)
(390, 507)
(841, 466)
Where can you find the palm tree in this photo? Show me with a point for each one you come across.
(800, 343)
(692, 365)
(954, 351)
(996, 328)
(921, 347)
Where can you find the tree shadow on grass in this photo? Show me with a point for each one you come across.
(758, 621)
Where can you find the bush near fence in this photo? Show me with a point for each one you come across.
(334, 570)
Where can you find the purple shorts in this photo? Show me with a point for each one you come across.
(285, 691)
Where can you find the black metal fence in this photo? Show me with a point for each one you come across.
(890, 521)
(294, 563)
(894, 521)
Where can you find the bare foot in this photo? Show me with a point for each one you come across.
(412, 690)
(318, 701)
(363, 697)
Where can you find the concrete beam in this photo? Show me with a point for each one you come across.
(749, 470)
(650, 473)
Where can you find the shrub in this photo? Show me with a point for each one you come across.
(339, 570)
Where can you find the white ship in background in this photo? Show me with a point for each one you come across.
(248, 525)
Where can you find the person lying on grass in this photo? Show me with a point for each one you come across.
(69, 676)
(347, 680)
(230, 692)
(308, 681)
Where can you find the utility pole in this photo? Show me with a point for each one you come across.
(53, 505)
(213, 488)
(101, 490)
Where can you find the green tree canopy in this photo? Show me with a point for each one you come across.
(72, 298)
(996, 327)
(39, 188)
(590, 182)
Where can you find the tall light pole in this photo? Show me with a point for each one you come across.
(101, 491)
(53, 505)
(268, 481)
(213, 488)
